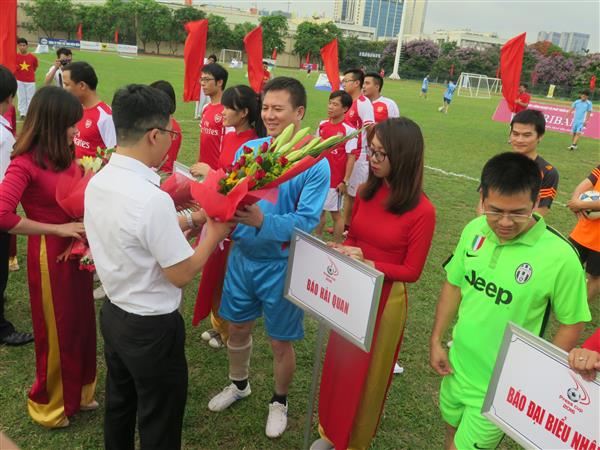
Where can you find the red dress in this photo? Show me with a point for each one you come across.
(354, 383)
(62, 307)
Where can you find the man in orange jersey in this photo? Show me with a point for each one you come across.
(586, 234)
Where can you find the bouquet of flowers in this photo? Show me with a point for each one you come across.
(70, 192)
(258, 172)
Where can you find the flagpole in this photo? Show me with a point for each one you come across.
(394, 75)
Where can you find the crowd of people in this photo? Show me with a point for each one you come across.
(508, 264)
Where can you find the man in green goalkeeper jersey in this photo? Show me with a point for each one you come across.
(508, 266)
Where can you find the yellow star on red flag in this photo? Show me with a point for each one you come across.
(24, 66)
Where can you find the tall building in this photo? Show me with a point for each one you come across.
(382, 15)
(568, 41)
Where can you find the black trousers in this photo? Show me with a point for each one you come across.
(6, 327)
(146, 375)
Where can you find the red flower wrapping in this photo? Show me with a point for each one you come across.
(178, 188)
(70, 194)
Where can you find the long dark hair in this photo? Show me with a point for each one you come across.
(51, 112)
(243, 97)
(403, 142)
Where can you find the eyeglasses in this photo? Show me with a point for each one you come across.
(173, 133)
(516, 218)
(206, 79)
(377, 155)
(349, 80)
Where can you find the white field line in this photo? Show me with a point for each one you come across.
(468, 177)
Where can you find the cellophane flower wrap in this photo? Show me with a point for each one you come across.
(258, 172)
(70, 194)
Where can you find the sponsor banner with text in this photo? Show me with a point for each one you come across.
(556, 118)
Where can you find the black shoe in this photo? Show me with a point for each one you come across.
(17, 338)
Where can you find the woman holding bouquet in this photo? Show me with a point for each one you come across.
(354, 383)
(241, 116)
(64, 324)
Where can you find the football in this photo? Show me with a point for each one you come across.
(590, 196)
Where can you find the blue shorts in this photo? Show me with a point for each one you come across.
(424, 90)
(447, 100)
(577, 127)
(254, 288)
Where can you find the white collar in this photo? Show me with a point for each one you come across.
(129, 163)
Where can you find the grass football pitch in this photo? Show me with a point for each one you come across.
(457, 146)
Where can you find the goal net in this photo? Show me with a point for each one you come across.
(473, 85)
(231, 57)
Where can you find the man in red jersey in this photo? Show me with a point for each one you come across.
(341, 160)
(96, 128)
(523, 99)
(27, 64)
(384, 108)
(359, 115)
(213, 80)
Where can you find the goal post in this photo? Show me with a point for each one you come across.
(473, 85)
(231, 57)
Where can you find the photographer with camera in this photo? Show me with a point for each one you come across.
(54, 76)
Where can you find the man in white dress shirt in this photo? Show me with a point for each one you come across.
(143, 261)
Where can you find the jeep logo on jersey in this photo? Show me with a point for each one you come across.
(492, 290)
(523, 273)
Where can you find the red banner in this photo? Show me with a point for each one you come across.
(8, 34)
(593, 83)
(556, 118)
(253, 43)
(511, 63)
(330, 57)
(193, 58)
(80, 32)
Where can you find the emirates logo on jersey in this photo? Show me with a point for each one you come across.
(218, 118)
(88, 123)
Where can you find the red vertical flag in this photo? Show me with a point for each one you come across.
(274, 54)
(511, 64)
(452, 70)
(593, 83)
(308, 58)
(253, 43)
(329, 55)
(80, 32)
(8, 34)
(193, 58)
(117, 36)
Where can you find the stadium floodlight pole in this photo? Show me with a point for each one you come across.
(394, 75)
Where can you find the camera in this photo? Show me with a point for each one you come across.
(64, 62)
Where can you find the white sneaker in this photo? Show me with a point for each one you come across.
(99, 293)
(216, 342)
(209, 334)
(277, 420)
(227, 397)
(321, 444)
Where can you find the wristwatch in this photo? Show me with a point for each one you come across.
(188, 218)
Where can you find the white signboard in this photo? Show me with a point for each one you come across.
(537, 400)
(183, 170)
(333, 287)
